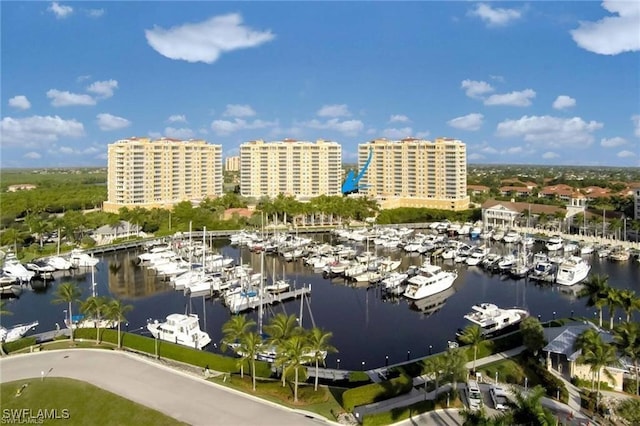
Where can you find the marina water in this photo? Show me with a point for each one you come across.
(368, 329)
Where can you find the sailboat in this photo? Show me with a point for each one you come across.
(277, 286)
(80, 321)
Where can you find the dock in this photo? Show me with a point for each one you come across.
(328, 373)
(272, 298)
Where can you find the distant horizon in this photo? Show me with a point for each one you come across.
(541, 82)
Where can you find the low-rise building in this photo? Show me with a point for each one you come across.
(21, 187)
(506, 214)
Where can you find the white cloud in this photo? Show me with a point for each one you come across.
(334, 111)
(95, 13)
(287, 132)
(495, 17)
(564, 101)
(154, 135)
(59, 10)
(476, 156)
(393, 133)
(226, 127)
(552, 131)
(183, 133)
(399, 118)
(82, 78)
(234, 110)
(205, 41)
(471, 121)
(177, 118)
(60, 98)
(20, 102)
(476, 89)
(636, 124)
(104, 89)
(626, 154)
(521, 98)
(422, 135)
(32, 155)
(613, 34)
(36, 131)
(108, 122)
(550, 155)
(612, 142)
(514, 150)
(489, 150)
(497, 78)
(347, 127)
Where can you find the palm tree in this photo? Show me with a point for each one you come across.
(528, 410)
(627, 340)
(472, 335)
(234, 329)
(435, 365)
(280, 329)
(588, 339)
(295, 353)
(598, 357)
(94, 306)
(629, 302)
(250, 346)
(613, 301)
(319, 345)
(116, 311)
(595, 288)
(454, 361)
(68, 293)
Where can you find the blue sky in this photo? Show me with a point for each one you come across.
(518, 82)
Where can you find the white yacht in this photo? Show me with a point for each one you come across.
(493, 319)
(555, 243)
(511, 237)
(572, 271)
(181, 329)
(81, 259)
(16, 332)
(60, 263)
(431, 279)
(16, 270)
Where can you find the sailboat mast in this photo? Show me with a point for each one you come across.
(260, 308)
(93, 281)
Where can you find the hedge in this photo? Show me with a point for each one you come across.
(16, 345)
(173, 351)
(376, 392)
(550, 382)
(398, 414)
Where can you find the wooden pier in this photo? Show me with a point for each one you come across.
(328, 373)
(272, 298)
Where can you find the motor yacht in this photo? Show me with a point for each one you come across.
(555, 243)
(14, 269)
(430, 280)
(494, 320)
(181, 329)
(573, 270)
(81, 259)
(16, 332)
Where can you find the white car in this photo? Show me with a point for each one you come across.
(474, 395)
(499, 398)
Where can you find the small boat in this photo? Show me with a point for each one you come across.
(81, 259)
(277, 286)
(181, 329)
(572, 271)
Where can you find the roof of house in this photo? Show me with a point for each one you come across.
(478, 187)
(562, 339)
(515, 188)
(521, 207)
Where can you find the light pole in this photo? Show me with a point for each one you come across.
(362, 365)
(496, 377)
(338, 368)
(157, 356)
(66, 320)
(430, 349)
(526, 381)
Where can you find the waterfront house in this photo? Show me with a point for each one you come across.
(107, 233)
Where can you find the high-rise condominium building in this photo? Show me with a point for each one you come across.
(416, 173)
(637, 204)
(301, 169)
(232, 164)
(161, 173)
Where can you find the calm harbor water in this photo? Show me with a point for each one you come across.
(366, 327)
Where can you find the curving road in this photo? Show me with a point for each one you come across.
(174, 393)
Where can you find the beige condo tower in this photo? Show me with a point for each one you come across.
(416, 173)
(161, 173)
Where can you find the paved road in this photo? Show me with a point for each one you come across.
(179, 395)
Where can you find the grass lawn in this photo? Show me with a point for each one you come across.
(510, 370)
(86, 404)
(324, 402)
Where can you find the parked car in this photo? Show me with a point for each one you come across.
(499, 398)
(474, 395)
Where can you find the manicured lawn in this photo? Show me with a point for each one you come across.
(323, 402)
(512, 370)
(86, 404)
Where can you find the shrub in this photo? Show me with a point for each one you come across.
(375, 392)
(398, 414)
(16, 345)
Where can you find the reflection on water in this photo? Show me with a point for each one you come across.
(365, 325)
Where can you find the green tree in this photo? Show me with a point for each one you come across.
(250, 346)
(587, 339)
(95, 307)
(116, 311)
(595, 289)
(435, 365)
(627, 339)
(599, 356)
(280, 329)
(527, 409)
(234, 329)
(472, 335)
(295, 353)
(629, 302)
(532, 334)
(454, 360)
(629, 409)
(319, 346)
(612, 296)
(68, 293)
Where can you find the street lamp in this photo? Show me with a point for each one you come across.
(66, 320)
(496, 377)
(362, 365)
(157, 356)
(127, 327)
(338, 368)
(526, 381)
(430, 349)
